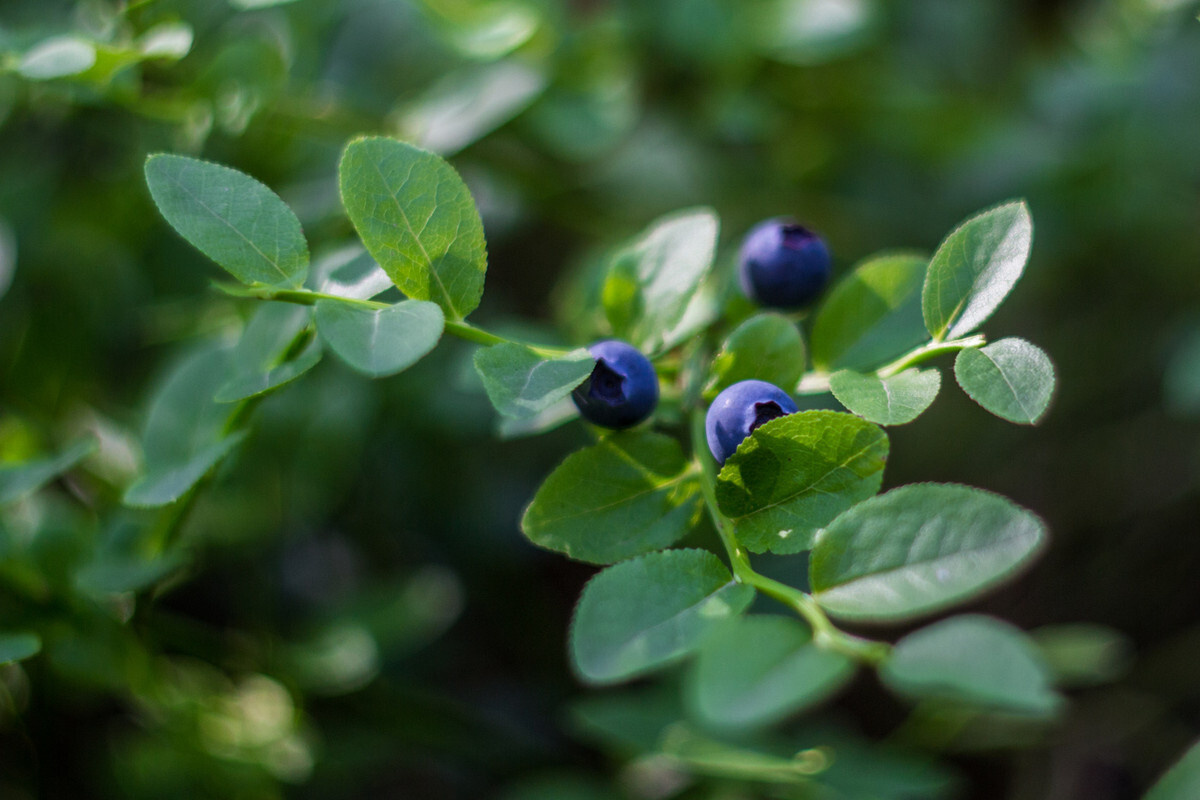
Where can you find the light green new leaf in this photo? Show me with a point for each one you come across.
(919, 549)
(57, 57)
(872, 315)
(19, 480)
(1011, 378)
(766, 347)
(263, 359)
(976, 660)
(1181, 781)
(974, 269)
(631, 493)
(18, 646)
(640, 615)
(794, 474)
(521, 384)
(380, 341)
(758, 669)
(185, 435)
(417, 219)
(231, 218)
(894, 400)
(658, 274)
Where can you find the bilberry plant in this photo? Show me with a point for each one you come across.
(724, 463)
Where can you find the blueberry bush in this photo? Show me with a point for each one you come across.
(268, 449)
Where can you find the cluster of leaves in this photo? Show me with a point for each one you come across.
(805, 482)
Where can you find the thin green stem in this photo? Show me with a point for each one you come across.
(825, 634)
(818, 382)
(460, 328)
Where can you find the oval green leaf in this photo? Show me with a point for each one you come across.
(894, 400)
(521, 384)
(1011, 378)
(766, 347)
(974, 660)
(380, 341)
(630, 494)
(18, 646)
(793, 475)
(641, 615)
(57, 57)
(19, 480)
(231, 218)
(872, 315)
(185, 434)
(759, 669)
(974, 269)
(417, 219)
(263, 360)
(919, 549)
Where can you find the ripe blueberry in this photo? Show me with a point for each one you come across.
(739, 410)
(622, 389)
(783, 264)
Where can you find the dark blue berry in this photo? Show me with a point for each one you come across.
(622, 389)
(739, 410)
(783, 264)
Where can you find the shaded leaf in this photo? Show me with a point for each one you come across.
(263, 359)
(18, 646)
(758, 669)
(643, 614)
(894, 400)
(18, 480)
(520, 383)
(379, 341)
(766, 347)
(631, 493)
(1181, 781)
(975, 660)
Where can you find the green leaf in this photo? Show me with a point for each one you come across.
(263, 359)
(643, 614)
(667, 263)
(464, 107)
(349, 272)
(794, 474)
(1181, 781)
(58, 57)
(18, 646)
(231, 218)
(872, 315)
(520, 383)
(185, 435)
(894, 400)
(919, 549)
(417, 219)
(758, 669)
(972, 659)
(169, 40)
(629, 494)
(766, 347)
(117, 574)
(974, 269)
(551, 417)
(380, 341)
(1011, 378)
(19, 480)
(1084, 654)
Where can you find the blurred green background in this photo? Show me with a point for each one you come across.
(359, 616)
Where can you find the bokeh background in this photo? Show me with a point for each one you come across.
(359, 616)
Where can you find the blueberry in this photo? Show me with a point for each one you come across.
(738, 410)
(783, 264)
(622, 389)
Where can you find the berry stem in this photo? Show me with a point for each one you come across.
(818, 382)
(826, 635)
